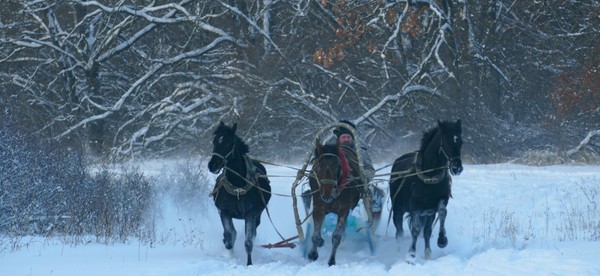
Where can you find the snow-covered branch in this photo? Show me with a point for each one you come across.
(146, 11)
(584, 142)
(135, 86)
(396, 97)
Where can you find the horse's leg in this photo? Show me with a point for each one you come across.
(442, 212)
(427, 229)
(317, 239)
(229, 233)
(336, 238)
(398, 218)
(415, 230)
(399, 206)
(252, 222)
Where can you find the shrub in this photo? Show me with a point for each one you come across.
(46, 189)
(188, 185)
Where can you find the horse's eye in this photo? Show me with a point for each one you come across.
(220, 140)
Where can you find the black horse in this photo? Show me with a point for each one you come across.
(336, 188)
(420, 184)
(242, 191)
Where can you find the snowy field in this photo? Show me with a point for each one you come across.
(504, 219)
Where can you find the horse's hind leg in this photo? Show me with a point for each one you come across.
(415, 229)
(442, 212)
(229, 233)
(336, 238)
(398, 217)
(427, 229)
(252, 222)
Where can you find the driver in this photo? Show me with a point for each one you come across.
(346, 138)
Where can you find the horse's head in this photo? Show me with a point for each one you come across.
(224, 146)
(327, 170)
(451, 144)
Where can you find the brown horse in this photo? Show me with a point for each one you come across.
(335, 188)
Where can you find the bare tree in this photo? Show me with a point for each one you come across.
(359, 60)
(146, 76)
(136, 72)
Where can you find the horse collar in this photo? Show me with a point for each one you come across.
(428, 179)
(249, 179)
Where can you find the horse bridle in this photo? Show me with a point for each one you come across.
(231, 152)
(450, 159)
(234, 190)
(333, 182)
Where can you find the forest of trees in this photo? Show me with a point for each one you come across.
(122, 78)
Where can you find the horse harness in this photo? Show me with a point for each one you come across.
(431, 179)
(343, 171)
(251, 178)
(333, 182)
(416, 170)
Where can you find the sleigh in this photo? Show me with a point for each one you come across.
(331, 207)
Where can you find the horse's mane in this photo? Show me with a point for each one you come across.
(327, 148)
(241, 146)
(429, 134)
(427, 137)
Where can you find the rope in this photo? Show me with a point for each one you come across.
(270, 219)
(275, 164)
(416, 173)
(393, 198)
(256, 186)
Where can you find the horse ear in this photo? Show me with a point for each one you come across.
(221, 124)
(318, 147)
(318, 143)
(234, 127)
(458, 123)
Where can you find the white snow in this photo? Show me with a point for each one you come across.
(503, 219)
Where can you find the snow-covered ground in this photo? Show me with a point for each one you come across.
(503, 219)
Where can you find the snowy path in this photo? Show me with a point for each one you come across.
(503, 220)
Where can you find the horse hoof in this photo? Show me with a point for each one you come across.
(313, 256)
(428, 254)
(331, 262)
(411, 258)
(442, 242)
(228, 244)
